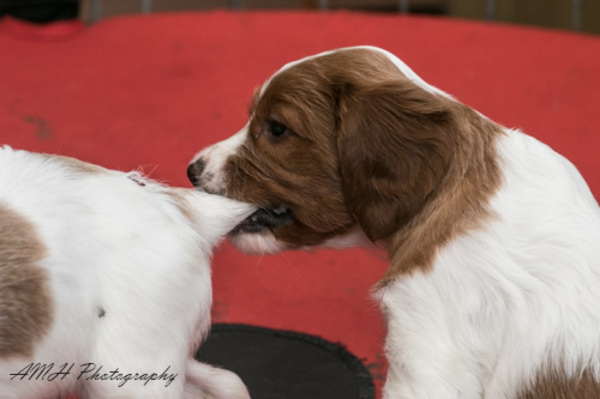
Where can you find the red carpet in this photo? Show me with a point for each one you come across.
(150, 91)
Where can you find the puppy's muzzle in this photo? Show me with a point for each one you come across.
(264, 218)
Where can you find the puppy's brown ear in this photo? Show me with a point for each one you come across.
(393, 148)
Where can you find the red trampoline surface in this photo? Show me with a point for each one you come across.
(150, 91)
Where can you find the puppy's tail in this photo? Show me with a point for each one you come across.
(215, 215)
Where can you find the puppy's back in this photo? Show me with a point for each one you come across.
(93, 262)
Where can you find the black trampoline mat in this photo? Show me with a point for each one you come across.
(286, 365)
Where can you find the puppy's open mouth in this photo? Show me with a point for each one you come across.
(265, 218)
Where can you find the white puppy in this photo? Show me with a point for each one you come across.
(105, 282)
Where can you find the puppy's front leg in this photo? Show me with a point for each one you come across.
(203, 381)
(425, 360)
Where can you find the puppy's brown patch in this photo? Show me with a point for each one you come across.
(556, 385)
(76, 164)
(179, 198)
(467, 175)
(25, 300)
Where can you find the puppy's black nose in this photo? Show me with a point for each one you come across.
(194, 171)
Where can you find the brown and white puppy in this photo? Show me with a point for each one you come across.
(493, 238)
(105, 282)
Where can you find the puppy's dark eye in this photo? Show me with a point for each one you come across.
(277, 129)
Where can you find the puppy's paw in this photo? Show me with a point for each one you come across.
(207, 382)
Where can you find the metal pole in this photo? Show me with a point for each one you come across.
(146, 6)
(237, 4)
(490, 10)
(96, 10)
(404, 6)
(576, 15)
(323, 4)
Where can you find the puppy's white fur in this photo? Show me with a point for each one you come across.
(127, 262)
